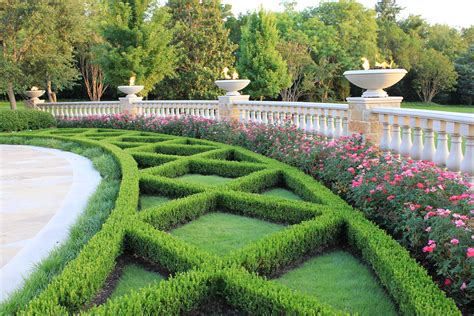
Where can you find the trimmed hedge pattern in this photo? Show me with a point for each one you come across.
(150, 164)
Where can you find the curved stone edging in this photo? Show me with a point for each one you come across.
(85, 180)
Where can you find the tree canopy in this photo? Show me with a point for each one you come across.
(178, 48)
(259, 59)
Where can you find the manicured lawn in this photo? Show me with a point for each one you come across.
(339, 279)
(5, 105)
(282, 193)
(209, 180)
(133, 278)
(220, 233)
(438, 107)
(147, 201)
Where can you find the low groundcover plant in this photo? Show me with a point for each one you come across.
(427, 209)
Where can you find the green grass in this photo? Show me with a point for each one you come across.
(133, 278)
(147, 201)
(5, 105)
(438, 107)
(220, 233)
(282, 193)
(209, 180)
(98, 208)
(340, 280)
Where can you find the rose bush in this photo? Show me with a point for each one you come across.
(427, 209)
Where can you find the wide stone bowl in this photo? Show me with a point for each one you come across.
(131, 91)
(375, 80)
(34, 94)
(232, 86)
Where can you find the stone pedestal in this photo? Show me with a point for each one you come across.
(127, 105)
(227, 109)
(362, 120)
(31, 103)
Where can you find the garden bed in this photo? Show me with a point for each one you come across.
(277, 232)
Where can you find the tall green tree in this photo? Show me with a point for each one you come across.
(465, 68)
(260, 61)
(341, 34)
(37, 44)
(446, 40)
(434, 73)
(203, 49)
(136, 42)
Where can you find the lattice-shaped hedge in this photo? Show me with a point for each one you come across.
(153, 164)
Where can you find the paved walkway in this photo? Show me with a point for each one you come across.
(42, 191)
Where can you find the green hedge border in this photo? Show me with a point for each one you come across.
(322, 220)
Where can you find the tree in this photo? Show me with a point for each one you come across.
(259, 59)
(465, 69)
(92, 74)
(136, 43)
(445, 39)
(387, 10)
(36, 45)
(340, 33)
(434, 73)
(301, 69)
(203, 49)
(53, 57)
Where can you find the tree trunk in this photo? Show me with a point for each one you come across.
(51, 94)
(11, 96)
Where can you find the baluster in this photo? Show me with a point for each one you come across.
(330, 126)
(467, 164)
(442, 152)
(302, 115)
(455, 154)
(309, 122)
(395, 139)
(271, 118)
(322, 123)
(252, 115)
(406, 145)
(417, 147)
(338, 124)
(428, 144)
(264, 116)
(385, 141)
(316, 127)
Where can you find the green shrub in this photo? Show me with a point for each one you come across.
(18, 120)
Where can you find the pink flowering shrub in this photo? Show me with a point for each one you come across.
(428, 210)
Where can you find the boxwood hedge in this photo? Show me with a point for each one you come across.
(150, 164)
(19, 120)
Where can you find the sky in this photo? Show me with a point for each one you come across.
(456, 13)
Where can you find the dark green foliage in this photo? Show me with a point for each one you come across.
(136, 42)
(19, 120)
(259, 60)
(322, 220)
(203, 48)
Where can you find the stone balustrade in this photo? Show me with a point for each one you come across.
(330, 120)
(80, 109)
(201, 108)
(408, 132)
(413, 133)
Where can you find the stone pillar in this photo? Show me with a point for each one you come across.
(361, 118)
(127, 105)
(227, 109)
